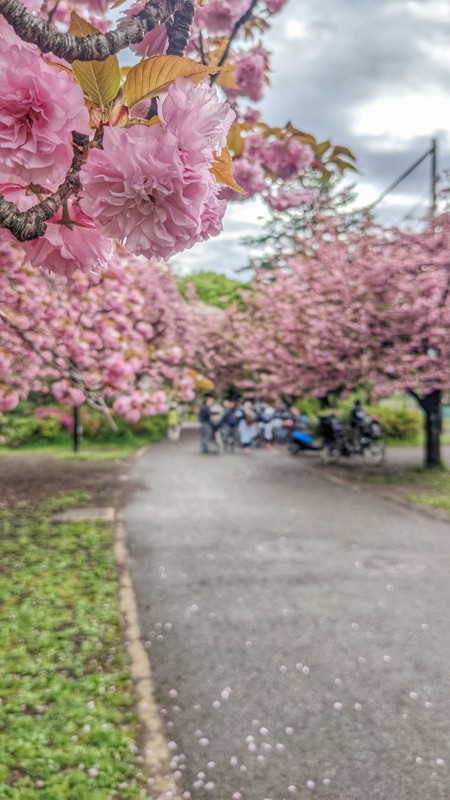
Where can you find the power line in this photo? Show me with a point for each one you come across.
(432, 151)
(408, 215)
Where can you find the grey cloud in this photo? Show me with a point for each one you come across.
(352, 53)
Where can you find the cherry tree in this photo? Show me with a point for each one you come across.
(121, 341)
(356, 308)
(96, 156)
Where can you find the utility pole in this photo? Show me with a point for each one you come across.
(434, 155)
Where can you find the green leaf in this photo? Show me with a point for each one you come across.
(339, 150)
(100, 80)
(322, 148)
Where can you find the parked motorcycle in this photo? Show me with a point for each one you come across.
(364, 440)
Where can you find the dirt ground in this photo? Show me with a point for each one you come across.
(31, 478)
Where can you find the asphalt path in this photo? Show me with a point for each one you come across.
(298, 631)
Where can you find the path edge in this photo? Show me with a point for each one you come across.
(385, 494)
(153, 743)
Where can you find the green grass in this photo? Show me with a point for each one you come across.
(89, 451)
(415, 441)
(431, 487)
(434, 501)
(66, 695)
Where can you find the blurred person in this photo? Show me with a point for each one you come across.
(206, 427)
(247, 426)
(230, 422)
(173, 423)
(268, 416)
(217, 412)
(358, 418)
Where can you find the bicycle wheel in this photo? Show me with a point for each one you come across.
(373, 455)
(329, 454)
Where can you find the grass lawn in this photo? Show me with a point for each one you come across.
(89, 451)
(67, 727)
(426, 487)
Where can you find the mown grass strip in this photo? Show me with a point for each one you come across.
(431, 486)
(67, 726)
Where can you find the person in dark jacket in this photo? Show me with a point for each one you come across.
(206, 427)
(357, 422)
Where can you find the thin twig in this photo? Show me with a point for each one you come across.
(234, 31)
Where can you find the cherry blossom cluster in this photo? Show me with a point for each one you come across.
(91, 153)
(123, 339)
(366, 308)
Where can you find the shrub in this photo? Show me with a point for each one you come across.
(97, 427)
(50, 425)
(309, 406)
(91, 421)
(30, 430)
(152, 428)
(397, 423)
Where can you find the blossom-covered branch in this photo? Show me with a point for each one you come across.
(30, 224)
(97, 46)
(129, 355)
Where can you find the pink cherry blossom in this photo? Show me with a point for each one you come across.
(288, 158)
(249, 176)
(40, 106)
(255, 146)
(251, 115)
(65, 248)
(65, 393)
(219, 16)
(250, 73)
(196, 116)
(9, 38)
(140, 191)
(274, 5)
(212, 213)
(154, 42)
(9, 400)
(286, 198)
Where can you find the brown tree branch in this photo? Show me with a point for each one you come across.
(26, 225)
(97, 46)
(179, 29)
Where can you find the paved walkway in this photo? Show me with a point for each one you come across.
(298, 631)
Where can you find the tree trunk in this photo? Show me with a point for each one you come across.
(76, 429)
(431, 404)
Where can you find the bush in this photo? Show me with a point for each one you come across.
(309, 406)
(152, 428)
(91, 421)
(397, 423)
(20, 431)
(50, 425)
(96, 427)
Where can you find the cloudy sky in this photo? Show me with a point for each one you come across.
(373, 75)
